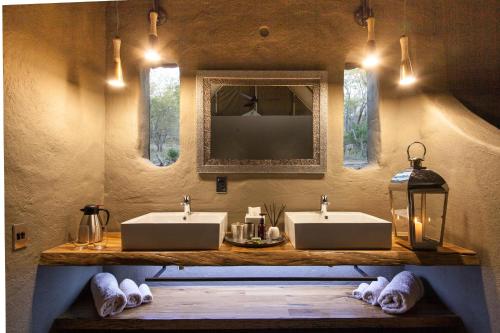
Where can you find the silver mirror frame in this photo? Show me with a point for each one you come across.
(319, 81)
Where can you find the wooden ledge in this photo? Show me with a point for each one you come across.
(257, 307)
(284, 255)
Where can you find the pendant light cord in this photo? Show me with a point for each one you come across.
(404, 18)
(117, 18)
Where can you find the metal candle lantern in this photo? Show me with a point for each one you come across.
(419, 197)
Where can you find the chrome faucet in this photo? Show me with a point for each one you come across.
(324, 204)
(186, 202)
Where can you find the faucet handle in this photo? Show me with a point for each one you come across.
(324, 199)
(186, 199)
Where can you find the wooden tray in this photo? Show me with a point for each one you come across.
(253, 244)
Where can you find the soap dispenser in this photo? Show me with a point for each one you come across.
(262, 227)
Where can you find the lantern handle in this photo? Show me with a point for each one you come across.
(411, 144)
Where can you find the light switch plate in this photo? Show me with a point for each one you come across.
(221, 184)
(19, 236)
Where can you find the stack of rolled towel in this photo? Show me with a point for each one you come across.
(397, 296)
(111, 298)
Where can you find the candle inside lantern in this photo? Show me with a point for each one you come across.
(418, 230)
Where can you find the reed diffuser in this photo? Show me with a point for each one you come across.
(274, 215)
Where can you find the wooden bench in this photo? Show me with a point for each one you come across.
(258, 308)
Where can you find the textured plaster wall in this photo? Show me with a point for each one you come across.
(471, 31)
(54, 145)
(56, 288)
(466, 152)
(316, 35)
(461, 289)
(224, 35)
(55, 123)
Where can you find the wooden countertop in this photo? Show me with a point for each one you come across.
(303, 308)
(283, 255)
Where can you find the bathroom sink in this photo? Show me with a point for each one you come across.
(170, 231)
(337, 230)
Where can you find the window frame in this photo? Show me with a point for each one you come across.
(145, 124)
(372, 118)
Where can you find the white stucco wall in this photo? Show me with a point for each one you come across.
(54, 143)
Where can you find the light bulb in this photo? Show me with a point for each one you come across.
(116, 83)
(409, 80)
(152, 55)
(371, 61)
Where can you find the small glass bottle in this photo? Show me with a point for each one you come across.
(262, 227)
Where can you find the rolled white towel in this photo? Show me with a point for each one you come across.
(402, 293)
(370, 294)
(131, 291)
(358, 292)
(108, 298)
(147, 296)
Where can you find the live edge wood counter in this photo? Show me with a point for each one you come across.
(228, 255)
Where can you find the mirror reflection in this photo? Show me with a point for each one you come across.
(261, 122)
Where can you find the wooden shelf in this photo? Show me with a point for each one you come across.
(258, 307)
(283, 255)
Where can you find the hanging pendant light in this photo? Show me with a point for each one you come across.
(152, 54)
(365, 18)
(371, 59)
(117, 80)
(406, 75)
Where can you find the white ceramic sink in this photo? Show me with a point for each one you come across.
(169, 231)
(340, 230)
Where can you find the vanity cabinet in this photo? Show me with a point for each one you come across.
(305, 308)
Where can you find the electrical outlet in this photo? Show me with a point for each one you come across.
(19, 236)
(221, 184)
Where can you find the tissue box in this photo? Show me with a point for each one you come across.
(253, 219)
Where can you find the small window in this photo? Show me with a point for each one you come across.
(355, 118)
(164, 90)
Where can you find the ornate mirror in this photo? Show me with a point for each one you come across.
(261, 121)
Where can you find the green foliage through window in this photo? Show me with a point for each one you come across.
(355, 117)
(164, 89)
